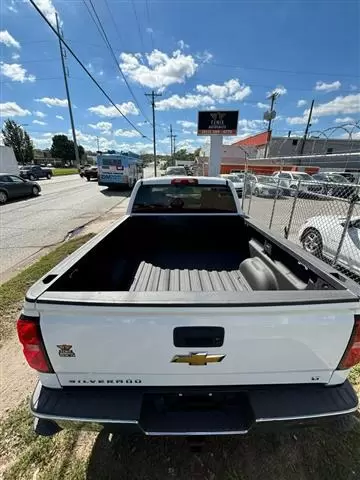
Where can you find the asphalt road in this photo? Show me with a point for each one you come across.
(29, 225)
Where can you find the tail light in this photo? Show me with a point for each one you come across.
(30, 337)
(352, 353)
(184, 181)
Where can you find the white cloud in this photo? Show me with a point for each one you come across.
(59, 117)
(53, 101)
(12, 109)
(279, 89)
(301, 103)
(42, 142)
(48, 9)
(188, 101)
(8, 39)
(39, 114)
(126, 133)
(15, 56)
(204, 57)
(300, 120)
(327, 87)
(127, 108)
(353, 88)
(348, 104)
(344, 120)
(89, 142)
(162, 70)
(262, 105)
(12, 7)
(245, 124)
(186, 124)
(182, 44)
(104, 127)
(93, 70)
(16, 72)
(231, 90)
(39, 122)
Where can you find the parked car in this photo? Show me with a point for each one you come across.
(321, 236)
(266, 186)
(13, 186)
(34, 172)
(91, 173)
(171, 171)
(237, 181)
(290, 181)
(215, 325)
(353, 177)
(82, 169)
(335, 185)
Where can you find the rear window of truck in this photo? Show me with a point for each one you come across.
(184, 199)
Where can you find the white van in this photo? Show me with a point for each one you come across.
(8, 163)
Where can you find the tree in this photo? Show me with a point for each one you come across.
(63, 148)
(16, 137)
(81, 151)
(28, 149)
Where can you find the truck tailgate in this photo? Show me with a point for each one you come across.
(117, 345)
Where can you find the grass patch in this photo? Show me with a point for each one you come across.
(13, 291)
(354, 375)
(25, 455)
(64, 171)
(307, 454)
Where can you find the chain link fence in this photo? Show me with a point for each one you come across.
(320, 213)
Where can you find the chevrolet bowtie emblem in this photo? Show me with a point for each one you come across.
(201, 358)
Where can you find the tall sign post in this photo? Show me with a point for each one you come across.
(217, 124)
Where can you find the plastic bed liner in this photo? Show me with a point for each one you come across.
(151, 278)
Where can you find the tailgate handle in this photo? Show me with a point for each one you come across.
(198, 337)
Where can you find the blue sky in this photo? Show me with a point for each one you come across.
(197, 54)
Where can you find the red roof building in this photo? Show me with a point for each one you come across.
(258, 140)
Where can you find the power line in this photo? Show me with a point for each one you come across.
(138, 25)
(295, 72)
(85, 69)
(113, 22)
(104, 36)
(153, 95)
(149, 23)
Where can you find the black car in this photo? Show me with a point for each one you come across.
(91, 173)
(33, 172)
(335, 185)
(12, 186)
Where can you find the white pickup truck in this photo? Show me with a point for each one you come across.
(185, 317)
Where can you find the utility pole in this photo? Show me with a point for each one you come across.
(153, 95)
(174, 136)
(171, 141)
(273, 97)
(98, 144)
(308, 125)
(77, 157)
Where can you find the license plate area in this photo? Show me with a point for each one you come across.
(206, 413)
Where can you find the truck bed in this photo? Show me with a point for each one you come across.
(192, 254)
(151, 278)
